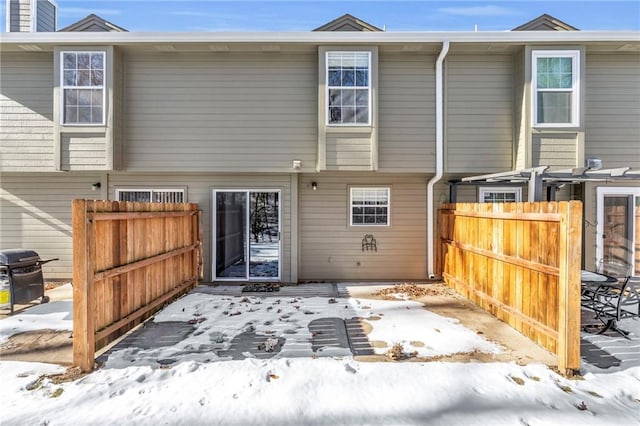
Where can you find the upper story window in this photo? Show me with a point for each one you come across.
(349, 88)
(555, 88)
(83, 97)
(148, 195)
(500, 195)
(370, 206)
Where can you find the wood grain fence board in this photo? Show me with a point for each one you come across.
(516, 261)
(129, 259)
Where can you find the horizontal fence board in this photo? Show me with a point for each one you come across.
(521, 263)
(129, 259)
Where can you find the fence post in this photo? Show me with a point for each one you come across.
(83, 299)
(569, 287)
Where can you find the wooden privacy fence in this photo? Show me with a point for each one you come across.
(128, 260)
(520, 262)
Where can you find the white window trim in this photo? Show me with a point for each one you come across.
(151, 190)
(326, 88)
(482, 190)
(104, 89)
(364, 225)
(575, 91)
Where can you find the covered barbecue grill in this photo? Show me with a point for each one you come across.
(21, 279)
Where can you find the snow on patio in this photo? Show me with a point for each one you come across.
(298, 386)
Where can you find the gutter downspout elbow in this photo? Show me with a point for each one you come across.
(439, 156)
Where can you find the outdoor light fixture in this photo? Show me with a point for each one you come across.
(314, 185)
(96, 186)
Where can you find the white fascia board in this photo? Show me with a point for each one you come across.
(310, 37)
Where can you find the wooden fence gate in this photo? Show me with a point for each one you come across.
(520, 262)
(128, 260)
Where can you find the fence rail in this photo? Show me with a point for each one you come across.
(520, 262)
(128, 260)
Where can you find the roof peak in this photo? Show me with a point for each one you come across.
(545, 22)
(93, 23)
(348, 22)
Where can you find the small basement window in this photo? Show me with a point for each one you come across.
(500, 195)
(370, 206)
(151, 195)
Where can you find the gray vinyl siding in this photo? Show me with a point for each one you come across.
(199, 190)
(479, 107)
(348, 151)
(36, 209)
(554, 150)
(46, 16)
(612, 116)
(220, 111)
(83, 152)
(406, 95)
(26, 112)
(330, 249)
(20, 15)
(36, 214)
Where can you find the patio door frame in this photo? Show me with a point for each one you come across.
(214, 230)
(601, 193)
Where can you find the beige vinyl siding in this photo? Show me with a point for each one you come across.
(479, 107)
(406, 95)
(46, 16)
(199, 190)
(26, 112)
(348, 151)
(612, 101)
(556, 151)
(330, 249)
(35, 212)
(220, 111)
(20, 15)
(83, 152)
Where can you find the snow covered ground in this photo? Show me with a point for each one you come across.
(298, 386)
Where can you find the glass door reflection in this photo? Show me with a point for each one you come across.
(264, 235)
(231, 236)
(247, 235)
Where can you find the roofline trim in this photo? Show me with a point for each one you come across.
(85, 38)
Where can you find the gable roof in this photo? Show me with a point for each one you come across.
(348, 23)
(545, 22)
(93, 23)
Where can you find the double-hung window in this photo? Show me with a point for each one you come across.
(500, 195)
(555, 85)
(369, 206)
(151, 195)
(83, 87)
(349, 88)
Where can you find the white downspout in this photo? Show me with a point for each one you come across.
(439, 156)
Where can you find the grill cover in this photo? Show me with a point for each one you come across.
(16, 257)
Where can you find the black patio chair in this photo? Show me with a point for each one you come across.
(613, 302)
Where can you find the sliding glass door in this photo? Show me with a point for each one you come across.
(247, 235)
(618, 241)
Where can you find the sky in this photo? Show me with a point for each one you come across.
(305, 15)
